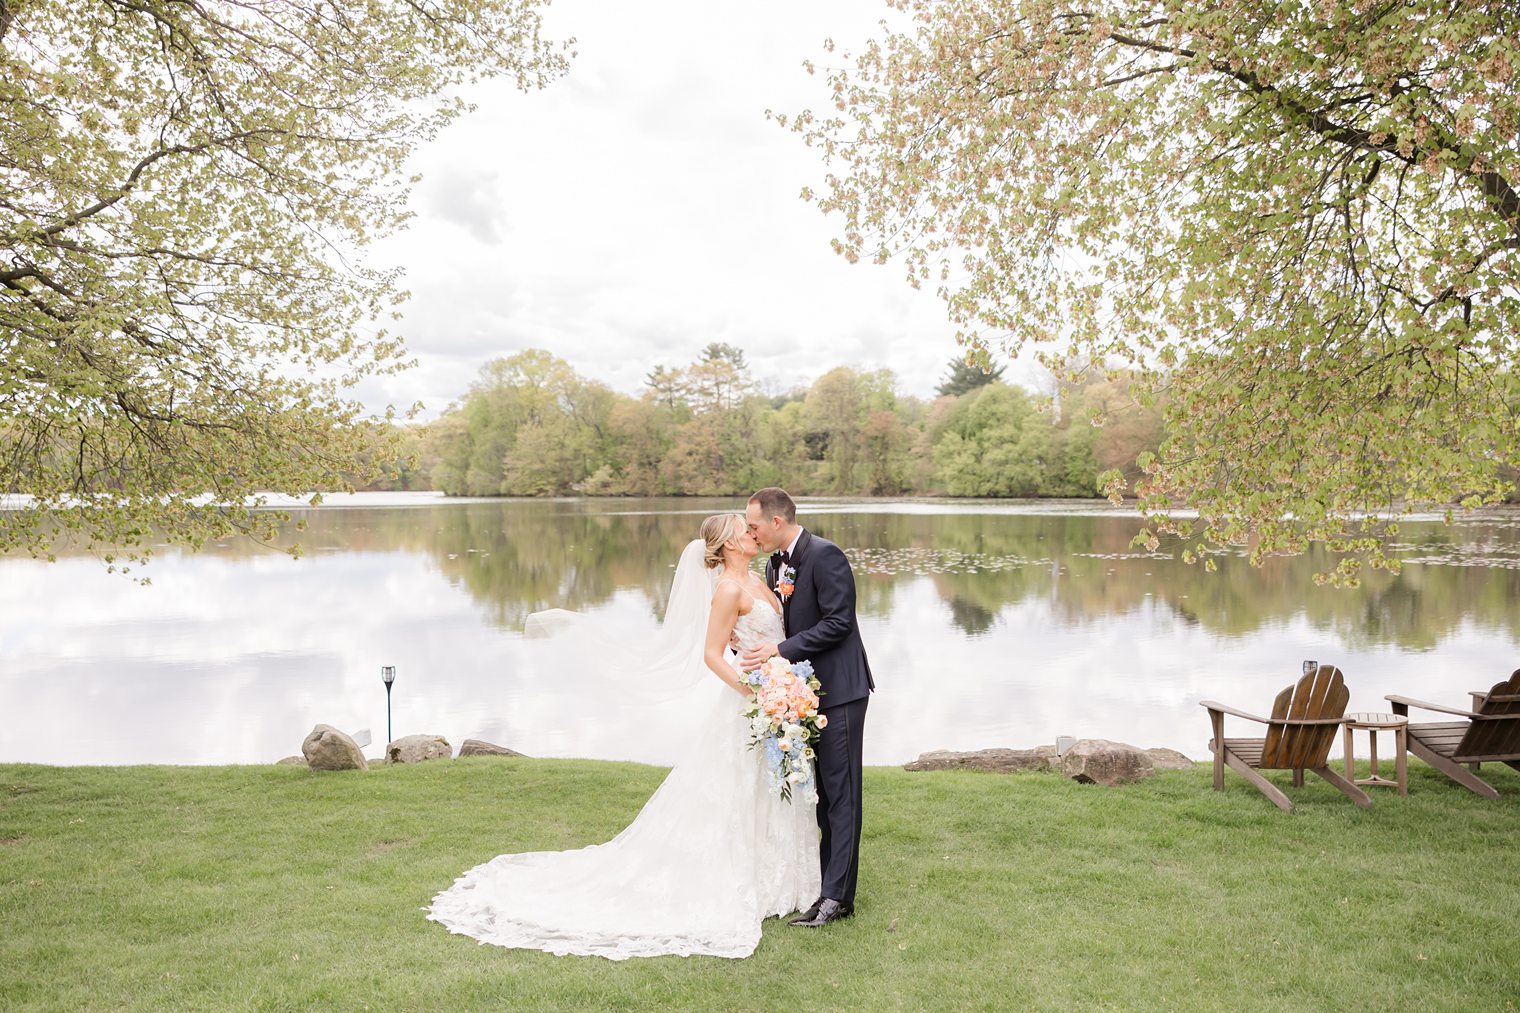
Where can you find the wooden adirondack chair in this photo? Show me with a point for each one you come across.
(1490, 731)
(1305, 718)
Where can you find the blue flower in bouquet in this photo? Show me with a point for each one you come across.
(784, 723)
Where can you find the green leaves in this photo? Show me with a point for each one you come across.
(1297, 222)
(531, 426)
(184, 302)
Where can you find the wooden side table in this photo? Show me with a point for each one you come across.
(1373, 723)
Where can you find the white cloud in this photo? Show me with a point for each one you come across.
(643, 206)
(468, 196)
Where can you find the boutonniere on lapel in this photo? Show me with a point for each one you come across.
(786, 581)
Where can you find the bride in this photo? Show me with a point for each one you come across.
(714, 851)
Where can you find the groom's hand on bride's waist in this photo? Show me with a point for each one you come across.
(758, 655)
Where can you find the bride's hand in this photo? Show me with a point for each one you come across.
(758, 655)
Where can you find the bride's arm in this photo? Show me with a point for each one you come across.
(720, 626)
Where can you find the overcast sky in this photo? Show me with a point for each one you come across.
(643, 206)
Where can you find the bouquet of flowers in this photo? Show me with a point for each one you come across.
(784, 723)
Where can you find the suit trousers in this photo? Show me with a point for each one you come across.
(838, 767)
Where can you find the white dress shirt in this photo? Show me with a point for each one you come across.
(793, 546)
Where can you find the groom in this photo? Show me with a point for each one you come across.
(817, 591)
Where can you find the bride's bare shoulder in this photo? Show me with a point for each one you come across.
(730, 597)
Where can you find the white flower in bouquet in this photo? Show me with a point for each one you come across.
(784, 720)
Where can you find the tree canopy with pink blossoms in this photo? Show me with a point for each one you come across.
(1299, 220)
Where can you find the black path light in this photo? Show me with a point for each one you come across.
(388, 675)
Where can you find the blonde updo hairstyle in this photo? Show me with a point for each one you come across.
(716, 530)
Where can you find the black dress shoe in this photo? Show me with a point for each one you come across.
(808, 915)
(827, 910)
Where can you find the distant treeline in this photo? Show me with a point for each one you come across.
(530, 426)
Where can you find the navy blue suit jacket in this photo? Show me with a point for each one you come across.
(820, 620)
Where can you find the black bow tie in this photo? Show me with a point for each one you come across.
(783, 556)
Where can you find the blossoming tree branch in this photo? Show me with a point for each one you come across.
(1298, 221)
(187, 188)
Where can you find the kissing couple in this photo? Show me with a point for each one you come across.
(716, 850)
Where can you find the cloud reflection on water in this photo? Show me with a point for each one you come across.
(985, 628)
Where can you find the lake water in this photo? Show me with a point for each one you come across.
(987, 624)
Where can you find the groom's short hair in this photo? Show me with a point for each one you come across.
(774, 502)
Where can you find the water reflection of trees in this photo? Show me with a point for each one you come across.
(521, 557)
(1085, 569)
(517, 557)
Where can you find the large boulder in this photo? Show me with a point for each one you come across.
(1170, 759)
(477, 747)
(1100, 761)
(326, 748)
(416, 748)
(1005, 761)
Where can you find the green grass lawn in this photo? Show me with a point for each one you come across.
(274, 888)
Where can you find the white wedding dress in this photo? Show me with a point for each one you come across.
(711, 855)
